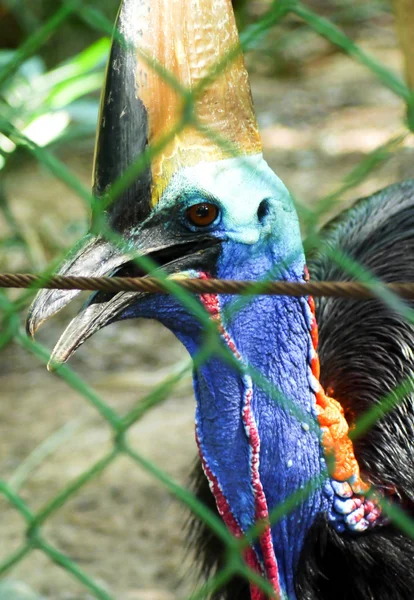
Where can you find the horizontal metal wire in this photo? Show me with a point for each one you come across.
(338, 289)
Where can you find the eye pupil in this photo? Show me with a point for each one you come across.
(203, 211)
(202, 214)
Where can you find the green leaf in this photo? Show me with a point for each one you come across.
(90, 59)
(65, 93)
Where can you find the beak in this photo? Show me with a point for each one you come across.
(171, 253)
(94, 257)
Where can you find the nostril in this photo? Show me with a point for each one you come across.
(263, 210)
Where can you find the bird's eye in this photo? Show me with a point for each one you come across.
(203, 214)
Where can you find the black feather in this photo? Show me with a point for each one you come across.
(366, 350)
(373, 566)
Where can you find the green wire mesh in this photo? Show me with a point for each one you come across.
(120, 424)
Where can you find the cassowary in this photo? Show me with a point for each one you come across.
(207, 205)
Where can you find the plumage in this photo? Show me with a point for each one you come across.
(276, 413)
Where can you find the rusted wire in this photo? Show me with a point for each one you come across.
(350, 289)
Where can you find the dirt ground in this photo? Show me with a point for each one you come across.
(124, 528)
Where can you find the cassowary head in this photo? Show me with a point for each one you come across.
(206, 204)
(176, 82)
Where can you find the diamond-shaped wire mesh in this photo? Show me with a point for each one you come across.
(12, 129)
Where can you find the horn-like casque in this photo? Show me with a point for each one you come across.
(165, 52)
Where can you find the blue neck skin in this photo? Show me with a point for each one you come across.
(272, 335)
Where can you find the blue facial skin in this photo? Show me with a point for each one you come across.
(259, 228)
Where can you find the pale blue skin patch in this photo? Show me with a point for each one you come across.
(239, 186)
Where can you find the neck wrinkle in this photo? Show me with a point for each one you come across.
(256, 412)
(264, 562)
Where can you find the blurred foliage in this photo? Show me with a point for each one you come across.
(43, 107)
(22, 17)
(28, 15)
(291, 45)
(52, 106)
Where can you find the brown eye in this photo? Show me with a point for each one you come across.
(203, 214)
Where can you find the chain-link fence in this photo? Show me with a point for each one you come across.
(18, 131)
